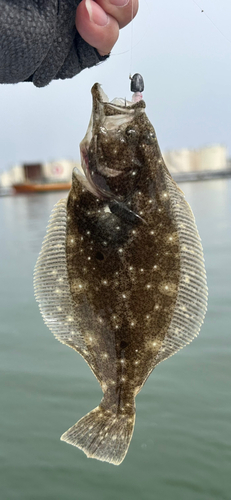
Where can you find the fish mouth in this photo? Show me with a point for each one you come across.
(106, 117)
(113, 114)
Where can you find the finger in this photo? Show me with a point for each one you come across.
(122, 10)
(96, 27)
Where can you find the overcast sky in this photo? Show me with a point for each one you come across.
(185, 62)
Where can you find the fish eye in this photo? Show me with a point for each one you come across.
(120, 135)
(103, 130)
(131, 134)
(149, 137)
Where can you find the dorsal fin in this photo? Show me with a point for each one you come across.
(191, 303)
(52, 290)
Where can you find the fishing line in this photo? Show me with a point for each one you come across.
(210, 20)
(133, 45)
(130, 72)
(128, 50)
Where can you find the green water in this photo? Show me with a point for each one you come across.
(181, 445)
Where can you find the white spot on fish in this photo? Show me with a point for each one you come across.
(168, 288)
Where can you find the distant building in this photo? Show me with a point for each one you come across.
(50, 172)
(58, 171)
(13, 176)
(208, 159)
(212, 158)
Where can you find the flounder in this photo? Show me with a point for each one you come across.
(120, 277)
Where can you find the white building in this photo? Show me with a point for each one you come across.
(58, 171)
(13, 176)
(186, 160)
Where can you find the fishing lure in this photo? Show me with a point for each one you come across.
(120, 277)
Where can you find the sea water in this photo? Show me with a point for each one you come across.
(181, 447)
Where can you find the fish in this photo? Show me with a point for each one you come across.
(121, 276)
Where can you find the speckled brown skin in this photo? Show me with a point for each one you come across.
(120, 277)
(119, 269)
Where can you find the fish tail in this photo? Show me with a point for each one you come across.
(103, 434)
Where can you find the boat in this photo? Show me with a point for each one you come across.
(34, 180)
(29, 187)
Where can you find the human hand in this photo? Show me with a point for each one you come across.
(98, 22)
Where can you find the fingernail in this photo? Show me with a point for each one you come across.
(119, 3)
(96, 14)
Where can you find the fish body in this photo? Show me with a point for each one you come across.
(120, 277)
